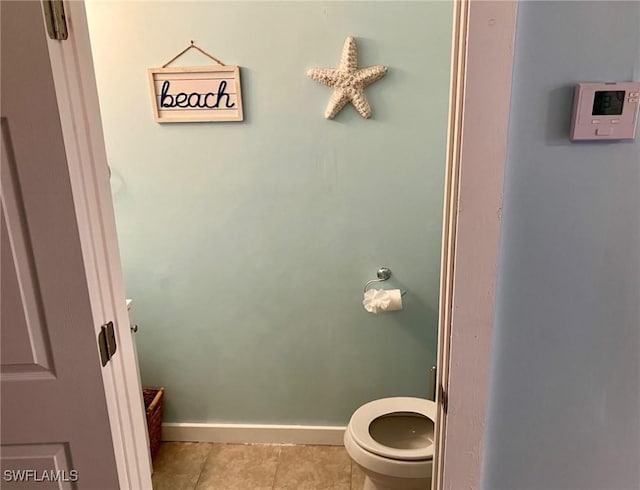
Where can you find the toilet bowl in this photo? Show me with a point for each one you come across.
(391, 439)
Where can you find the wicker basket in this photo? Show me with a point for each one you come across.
(153, 407)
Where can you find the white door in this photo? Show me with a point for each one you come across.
(64, 415)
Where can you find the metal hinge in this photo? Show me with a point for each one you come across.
(107, 343)
(444, 399)
(55, 19)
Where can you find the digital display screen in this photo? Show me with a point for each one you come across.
(608, 102)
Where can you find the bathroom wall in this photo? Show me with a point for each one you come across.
(246, 246)
(565, 380)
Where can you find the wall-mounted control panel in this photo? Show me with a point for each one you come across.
(605, 111)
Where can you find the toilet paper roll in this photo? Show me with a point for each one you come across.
(395, 295)
(382, 300)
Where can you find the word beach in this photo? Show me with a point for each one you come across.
(196, 94)
(210, 100)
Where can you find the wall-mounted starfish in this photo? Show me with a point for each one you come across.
(348, 81)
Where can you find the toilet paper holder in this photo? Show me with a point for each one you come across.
(383, 274)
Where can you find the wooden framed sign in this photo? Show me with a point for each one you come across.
(196, 94)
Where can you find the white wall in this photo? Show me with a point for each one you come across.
(564, 410)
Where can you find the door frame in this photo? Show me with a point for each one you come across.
(481, 71)
(482, 62)
(77, 97)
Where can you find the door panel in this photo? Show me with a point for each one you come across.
(40, 458)
(54, 413)
(27, 351)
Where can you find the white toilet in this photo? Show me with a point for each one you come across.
(391, 439)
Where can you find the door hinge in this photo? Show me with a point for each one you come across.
(55, 19)
(107, 342)
(444, 399)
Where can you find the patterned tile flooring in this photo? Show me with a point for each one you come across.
(205, 466)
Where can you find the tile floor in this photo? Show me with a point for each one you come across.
(205, 466)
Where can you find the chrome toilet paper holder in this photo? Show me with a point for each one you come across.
(383, 274)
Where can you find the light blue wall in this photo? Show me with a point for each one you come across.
(564, 410)
(245, 246)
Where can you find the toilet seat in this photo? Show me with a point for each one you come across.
(364, 416)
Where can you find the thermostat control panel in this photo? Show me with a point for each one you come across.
(605, 111)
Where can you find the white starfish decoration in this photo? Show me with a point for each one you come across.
(348, 81)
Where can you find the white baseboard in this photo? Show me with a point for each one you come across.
(254, 434)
